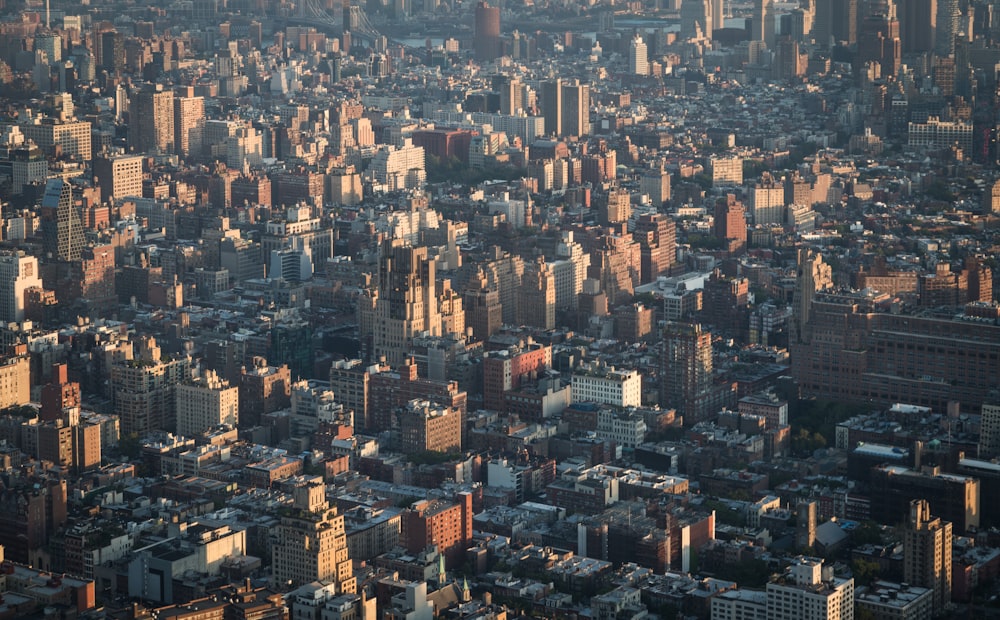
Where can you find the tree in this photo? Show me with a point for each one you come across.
(865, 572)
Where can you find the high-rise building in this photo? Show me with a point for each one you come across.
(189, 125)
(763, 22)
(18, 272)
(404, 302)
(809, 591)
(62, 223)
(439, 522)
(879, 41)
(989, 434)
(657, 237)
(552, 106)
(143, 387)
(767, 201)
(58, 394)
(429, 427)
(504, 370)
(72, 138)
(948, 18)
(575, 109)
(536, 301)
(917, 25)
(638, 57)
(15, 377)
(927, 552)
(805, 525)
(487, 41)
(118, 176)
(697, 19)
(686, 371)
(617, 208)
(655, 183)
(731, 224)
(569, 270)
(204, 403)
(112, 51)
(310, 543)
(264, 389)
(836, 21)
(483, 312)
(151, 120)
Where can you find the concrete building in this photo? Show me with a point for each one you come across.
(205, 403)
(118, 176)
(809, 591)
(18, 272)
(310, 543)
(927, 553)
(607, 385)
(884, 600)
(429, 427)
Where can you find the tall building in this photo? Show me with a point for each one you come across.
(536, 301)
(487, 41)
(15, 377)
(72, 138)
(927, 552)
(439, 522)
(697, 19)
(118, 176)
(731, 224)
(879, 41)
(805, 525)
(813, 275)
(310, 543)
(638, 57)
(809, 591)
(112, 51)
(428, 427)
(62, 223)
(143, 388)
(686, 371)
(205, 403)
(657, 237)
(989, 434)
(18, 272)
(552, 106)
(569, 268)
(575, 109)
(836, 21)
(948, 18)
(404, 302)
(483, 312)
(189, 125)
(506, 369)
(58, 394)
(616, 208)
(917, 25)
(151, 120)
(763, 22)
(767, 201)
(655, 183)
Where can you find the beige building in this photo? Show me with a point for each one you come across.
(310, 544)
(71, 137)
(18, 272)
(206, 403)
(927, 552)
(536, 302)
(428, 427)
(15, 380)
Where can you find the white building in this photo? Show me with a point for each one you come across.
(608, 386)
(625, 428)
(638, 57)
(569, 270)
(739, 605)
(396, 168)
(205, 403)
(809, 591)
(18, 272)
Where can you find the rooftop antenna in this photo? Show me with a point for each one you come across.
(47, 25)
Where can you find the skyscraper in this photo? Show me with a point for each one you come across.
(62, 224)
(575, 109)
(948, 17)
(552, 106)
(697, 19)
(206, 403)
(404, 303)
(638, 58)
(763, 22)
(310, 542)
(835, 20)
(917, 25)
(927, 552)
(731, 224)
(989, 436)
(18, 272)
(483, 312)
(189, 124)
(686, 370)
(657, 237)
(487, 43)
(536, 304)
(151, 116)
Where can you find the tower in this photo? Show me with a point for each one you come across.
(151, 116)
(62, 224)
(638, 58)
(697, 19)
(731, 224)
(406, 300)
(686, 369)
(763, 22)
(310, 542)
(813, 275)
(487, 45)
(927, 552)
(805, 525)
(537, 297)
(948, 17)
(552, 106)
(576, 109)
(483, 312)
(917, 25)
(18, 272)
